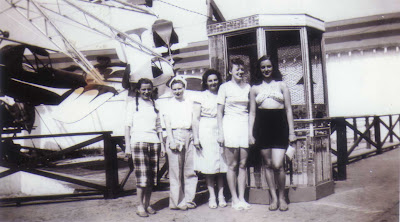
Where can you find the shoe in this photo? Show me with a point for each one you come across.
(212, 203)
(142, 213)
(221, 202)
(150, 210)
(180, 207)
(273, 206)
(245, 205)
(191, 205)
(283, 207)
(237, 206)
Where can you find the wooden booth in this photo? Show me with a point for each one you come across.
(296, 43)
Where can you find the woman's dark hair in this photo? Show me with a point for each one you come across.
(206, 74)
(138, 86)
(258, 77)
(234, 61)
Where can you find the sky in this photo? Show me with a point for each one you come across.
(189, 17)
(327, 10)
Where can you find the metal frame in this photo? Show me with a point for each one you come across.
(33, 8)
(110, 190)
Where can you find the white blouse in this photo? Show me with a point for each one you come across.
(179, 113)
(235, 98)
(144, 123)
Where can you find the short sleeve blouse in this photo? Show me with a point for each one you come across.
(235, 98)
(179, 113)
(144, 122)
(208, 102)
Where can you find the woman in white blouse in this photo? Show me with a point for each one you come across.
(178, 123)
(233, 116)
(209, 158)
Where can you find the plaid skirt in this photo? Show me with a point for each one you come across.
(145, 159)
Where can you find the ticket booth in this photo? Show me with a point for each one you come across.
(295, 42)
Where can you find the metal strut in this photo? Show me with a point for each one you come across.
(65, 46)
(121, 36)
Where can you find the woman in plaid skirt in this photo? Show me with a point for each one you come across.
(143, 138)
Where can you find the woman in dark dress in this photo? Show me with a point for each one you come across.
(271, 127)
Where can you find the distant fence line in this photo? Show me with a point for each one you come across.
(379, 133)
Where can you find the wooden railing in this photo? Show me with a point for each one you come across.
(33, 164)
(370, 135)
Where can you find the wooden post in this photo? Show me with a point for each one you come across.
(390, 129)
(377, 130)
(111, 165)
(342, 157)
(368, 134)
(355, 137)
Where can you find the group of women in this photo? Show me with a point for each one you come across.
(212, 135)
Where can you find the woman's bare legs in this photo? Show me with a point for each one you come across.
(141, 191)
(210, 185)
(220, 184)
(242, 175)
(232, 156)
(274, 169)
(278, 156)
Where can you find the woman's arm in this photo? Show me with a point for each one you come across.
(195, 124)
(289, 112)
(221, 98)
(252, 114)
(220, 116)
(160, 134)
(171, 140)
(128, 152)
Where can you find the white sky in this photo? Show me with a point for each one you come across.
(191, 27)
(327, 10)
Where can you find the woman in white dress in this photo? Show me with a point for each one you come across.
(209, 158)
(233, 117)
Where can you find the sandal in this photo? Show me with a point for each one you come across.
(141, 213)
(150, 210)
(245, 205)
(237, 206)
(191, 205)
(273, 207)
(222, 202)
(283, 207)
(212, 204)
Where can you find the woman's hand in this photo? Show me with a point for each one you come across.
(196, 143)
(172, 145)
(221, 140)
(163, 151)
(292, 137)
(252, 140)
(127, 156)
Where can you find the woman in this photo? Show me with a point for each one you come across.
(271, 120)
(209, 155)
(144, 132)
(232, 115)
(178, 123)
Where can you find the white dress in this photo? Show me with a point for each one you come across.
(210, 159)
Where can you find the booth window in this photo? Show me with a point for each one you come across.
(243, 46)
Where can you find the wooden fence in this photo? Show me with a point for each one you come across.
(370, 135)
(33, 164)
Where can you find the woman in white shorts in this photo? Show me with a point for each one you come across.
(233, 117)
